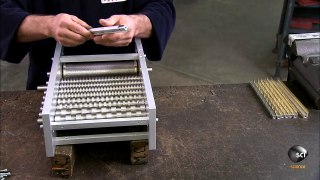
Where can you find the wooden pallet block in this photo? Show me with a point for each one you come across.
(139, 152)
(63, 161)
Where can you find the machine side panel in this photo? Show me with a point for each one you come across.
(82, 139)
(86, 124)
(48, 103)
(150, 99)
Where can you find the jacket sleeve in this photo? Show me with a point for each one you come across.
(12, 13)
(162, 16)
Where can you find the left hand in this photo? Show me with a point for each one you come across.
(120, 38)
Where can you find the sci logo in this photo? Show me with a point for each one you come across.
(297, 153)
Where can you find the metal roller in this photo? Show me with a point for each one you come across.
(70, 70)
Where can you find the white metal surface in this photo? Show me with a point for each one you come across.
(84, 124)
(82, 139)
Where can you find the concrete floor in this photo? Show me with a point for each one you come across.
(214, 42)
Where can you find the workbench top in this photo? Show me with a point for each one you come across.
(203, 132)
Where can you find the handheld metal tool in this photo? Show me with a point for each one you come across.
(107, 30)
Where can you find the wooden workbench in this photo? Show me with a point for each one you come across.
(203, 132)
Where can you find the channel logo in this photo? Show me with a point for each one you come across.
(297, 153)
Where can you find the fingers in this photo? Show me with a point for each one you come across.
(115, 40)
(79, 21)
(69, 43)
(81, 30)
(70, 30)
(70, 38)
(119, 38)
(113, 20)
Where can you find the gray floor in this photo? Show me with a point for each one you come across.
(214, 42)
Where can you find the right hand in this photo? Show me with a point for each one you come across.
(69, 30)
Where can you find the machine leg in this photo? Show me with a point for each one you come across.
(63, 161)
(139, 152)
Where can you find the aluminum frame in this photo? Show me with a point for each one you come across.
(50, 126)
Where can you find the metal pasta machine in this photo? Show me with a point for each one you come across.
(98, 98)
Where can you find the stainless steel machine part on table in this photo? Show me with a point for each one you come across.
(99, 68)
(98, 91)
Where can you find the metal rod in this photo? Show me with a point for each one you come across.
(100, 57)
(42, 88)
(99, 68)
(105, 101)
(266, 104)
(100, 79)
(303, 111)
(95, 111)
(100, 116)
(278, 99)
(99, 84)
(102, 89)
(39, 121)
(97, 105)
(113, 94)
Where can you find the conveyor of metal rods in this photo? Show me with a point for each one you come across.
(98, 98)
(278, 99)
(99, 91)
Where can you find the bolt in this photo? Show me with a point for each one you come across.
(5, 174)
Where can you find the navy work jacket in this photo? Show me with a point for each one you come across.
(12, 12)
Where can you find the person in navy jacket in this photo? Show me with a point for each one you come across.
(34, 27)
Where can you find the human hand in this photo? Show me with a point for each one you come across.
(69, 30)
(120, 38)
